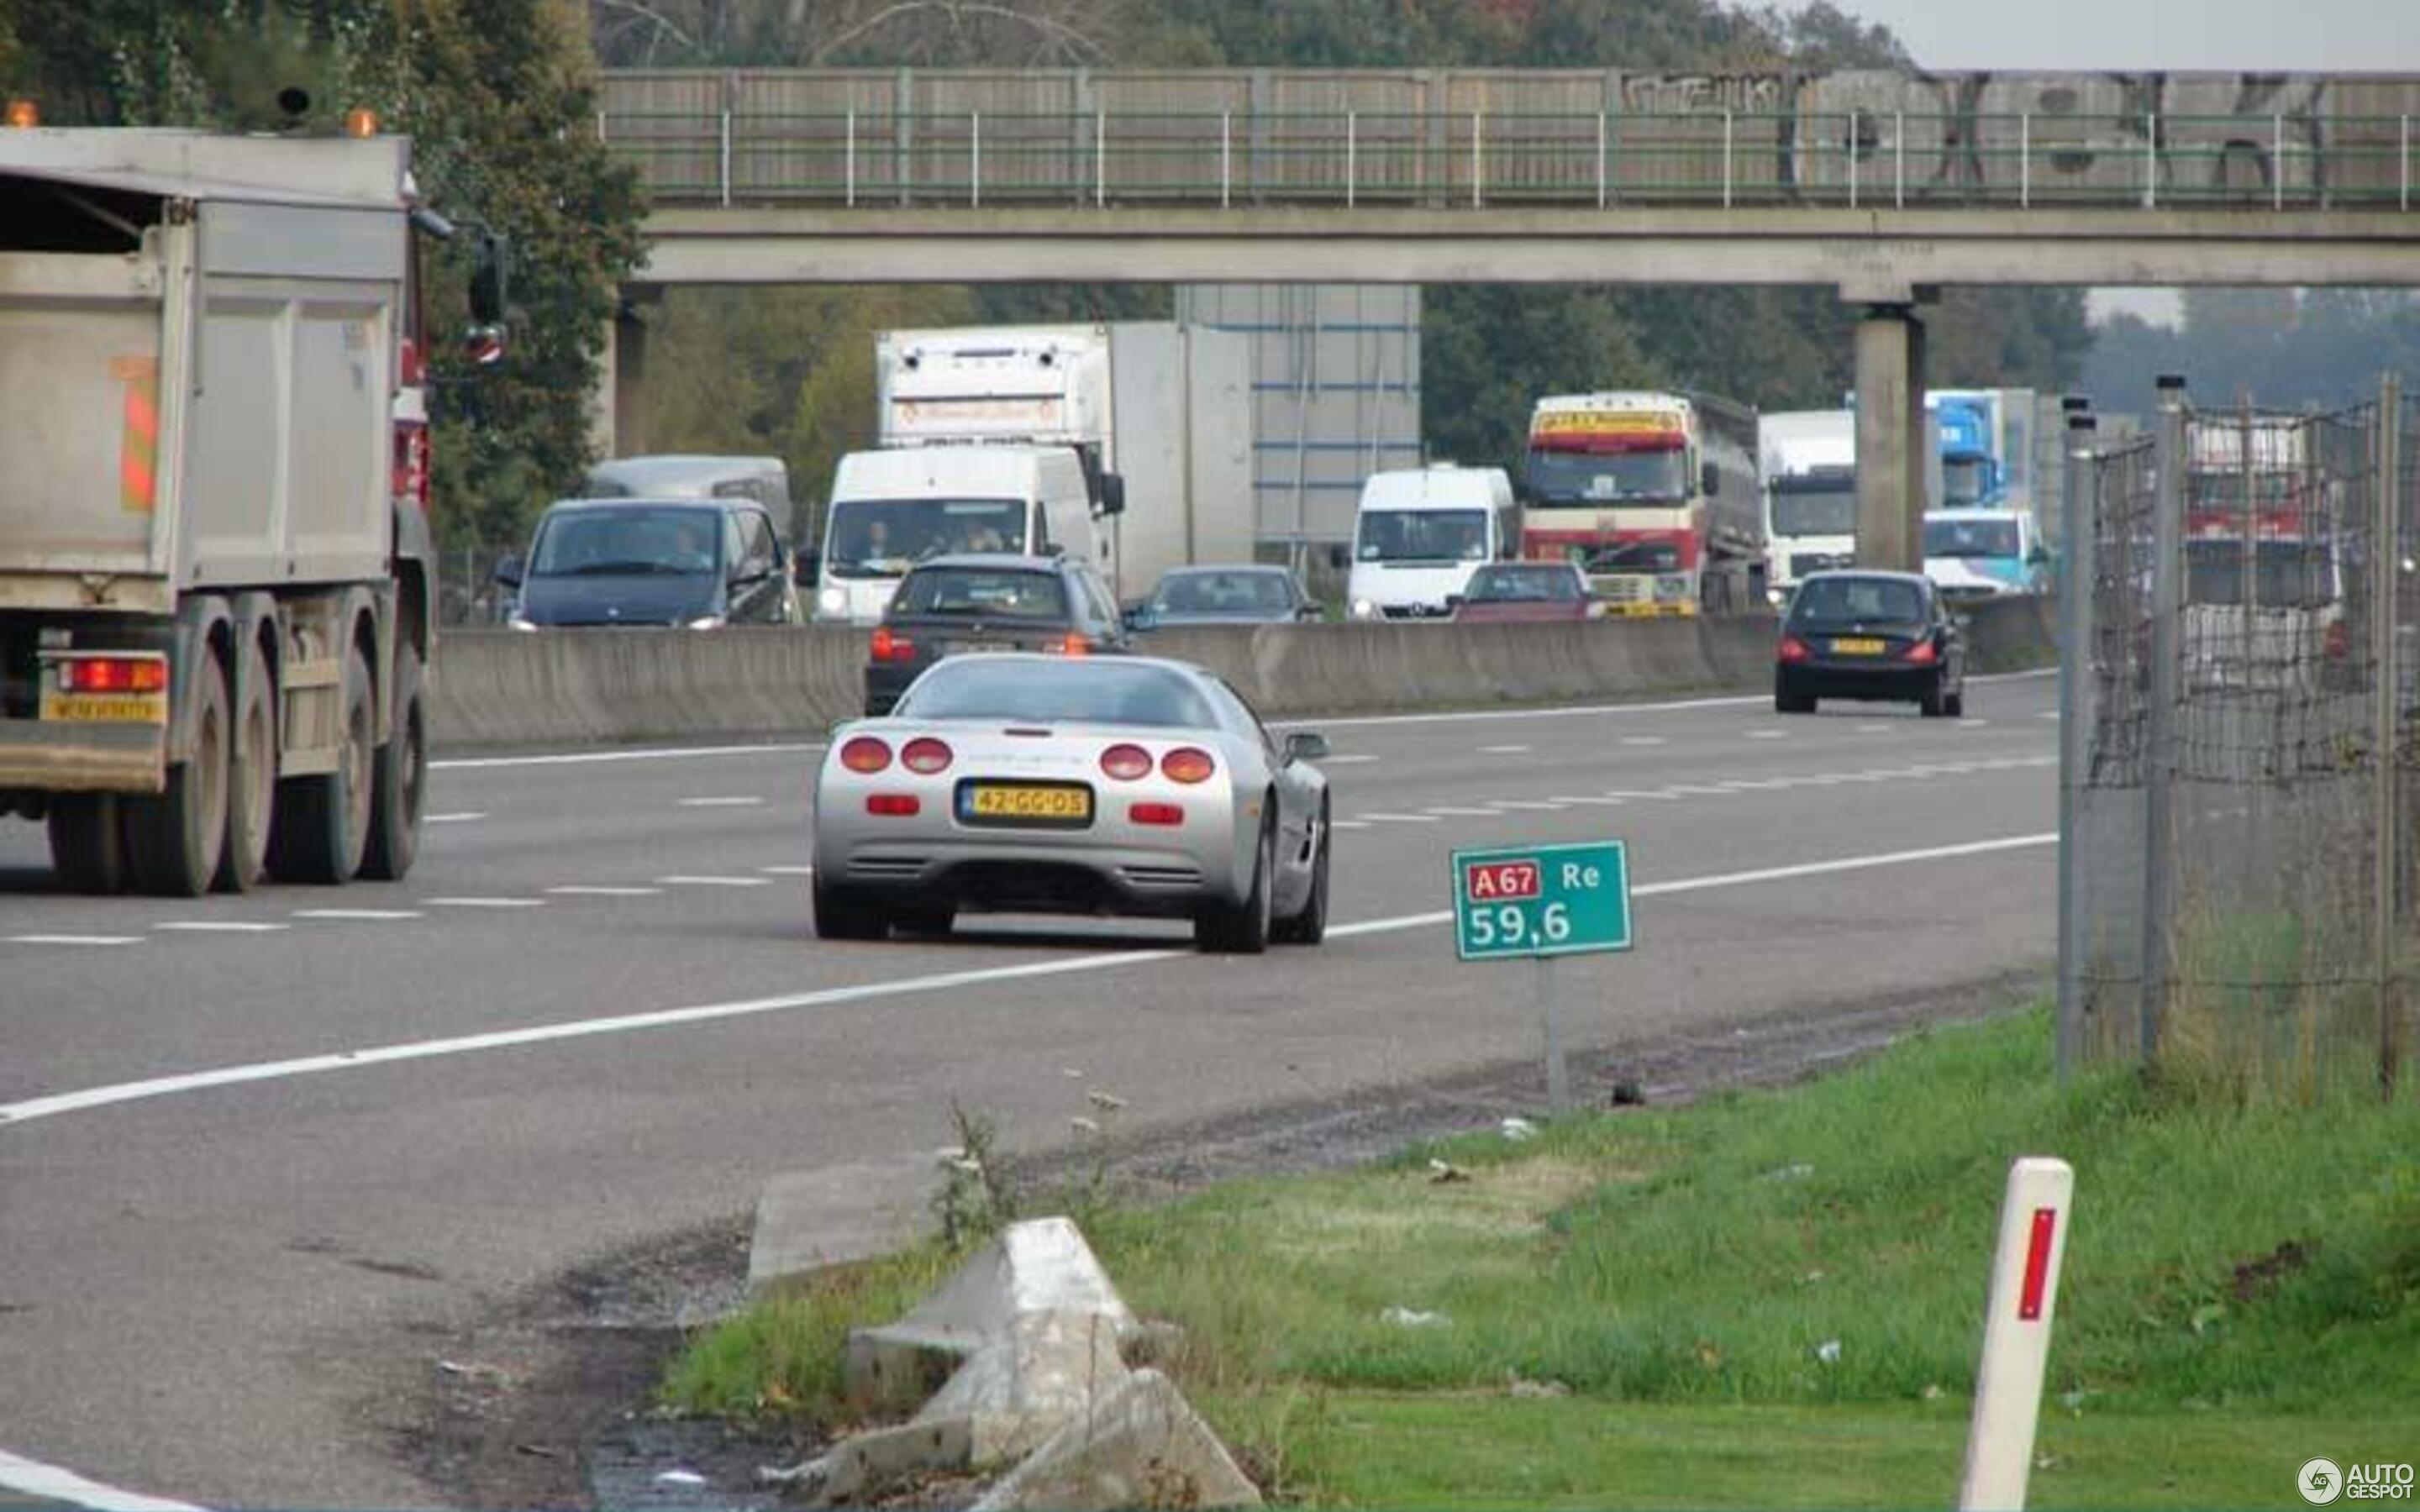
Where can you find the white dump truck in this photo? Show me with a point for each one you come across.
(216, 576)
(1164, 410)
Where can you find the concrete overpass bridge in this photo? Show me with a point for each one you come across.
(1884, 186)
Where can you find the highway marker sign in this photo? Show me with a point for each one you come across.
(1534, 901)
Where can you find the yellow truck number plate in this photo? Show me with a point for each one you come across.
(1857, 646)
(104, 708)
(1016, 803)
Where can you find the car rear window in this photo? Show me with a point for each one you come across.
(1858, 601)
(1084, 691)
(985, 593)
(1526, 585)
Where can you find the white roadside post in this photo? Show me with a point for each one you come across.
(2016, 1336)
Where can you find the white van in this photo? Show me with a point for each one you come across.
(1419, 535)
(892, 509)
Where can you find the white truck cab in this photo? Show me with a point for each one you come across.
(891, 509)
(1421, 533)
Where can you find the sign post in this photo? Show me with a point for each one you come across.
(2016, 1336)
(1542, 902)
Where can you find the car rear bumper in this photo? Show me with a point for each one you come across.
(1835, 680)
(1023, 876)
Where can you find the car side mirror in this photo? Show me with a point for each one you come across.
(1306, 745)
(1452, 602)
(508, 572)
(1309, 611)
(803, 566)
(1114, 494)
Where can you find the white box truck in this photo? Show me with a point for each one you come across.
(1166, 409)
(216, 576)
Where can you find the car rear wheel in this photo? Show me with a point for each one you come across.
(923, 920)
(1310, 926)
(1784, 702)
(1243, 928)
(844, 914)
(1932, 704)
(1954, 705)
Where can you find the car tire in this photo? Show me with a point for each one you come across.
(1309, 925)
(844, 914)
(1788, 702)
(174, 841)
(1954, 705)
(922, 921)
(1932, 704)
(1243, 928)
(86, 848)
(252, 779)
(400, 777)
(322, 825)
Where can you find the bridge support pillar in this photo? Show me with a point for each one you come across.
(1890, 438)
(617, 406)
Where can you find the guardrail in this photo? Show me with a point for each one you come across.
(883, 139)
(509, 688)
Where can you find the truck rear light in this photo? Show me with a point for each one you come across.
(1922, 654)
(1187, 765)
(865, 755)
(1155, 813)
(1070, 645)
(25, 115)
(890, 647)
(1126, 763)
(144, 673)
(893, 805)
(926, 756)
(1794, 650)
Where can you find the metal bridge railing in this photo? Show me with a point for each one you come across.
(1476, 159)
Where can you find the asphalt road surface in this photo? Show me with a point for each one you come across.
(238, 1135)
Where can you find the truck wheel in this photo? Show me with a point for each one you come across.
(174, 841)
(84, 845)
(402, 775)
(323, 822)
(252, 784)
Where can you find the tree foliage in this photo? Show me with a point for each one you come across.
(2278, 348)
(492, 92)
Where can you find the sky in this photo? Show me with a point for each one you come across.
(2137, 36)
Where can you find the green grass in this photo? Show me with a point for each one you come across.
(2241, 1291)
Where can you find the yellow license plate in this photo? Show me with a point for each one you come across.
(1857, 646)
(104, 708)
(1022, 803)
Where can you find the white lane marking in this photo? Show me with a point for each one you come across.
(1588, 710)
(734, 801)
(1398, 819)
(31, 1477)
(222, 926)
(1505, 750)
(451, 818)
(715, 882)
(74, 939)
(1347, 823)
(96, 1097)
(584, 890)
(1693, 789)
(1659, 796)
(471, 764)
(1972, 724)
(1593, 803)
(1524, 806)
(1765, 734)
(1331, 759)
(1453, 810)
(788, 871)
(1642, 740)
(1874, 729)
(484, 903)
(365, 915)
(2051, 715)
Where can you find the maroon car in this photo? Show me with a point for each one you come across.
(1506, 591)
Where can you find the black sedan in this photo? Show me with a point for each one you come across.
(969, 604)
(1246, 594)
(1868, 636)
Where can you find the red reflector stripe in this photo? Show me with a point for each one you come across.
(2029, 1297)
(1155, 813)
(893, 805)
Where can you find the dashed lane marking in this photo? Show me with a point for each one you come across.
(74, 939)
(1358, 759)
(1505, 750)
(483, 902)
(1642, 740)
(1765, 734)
(1398, 818)
(1454, 810)
(734, 801)
(222, 926)
(715, 882)
(579, 889)
(788, 871)
(1347, 823)
(49, 1483)
(1525, 805)
(358, 915)
(451, 818)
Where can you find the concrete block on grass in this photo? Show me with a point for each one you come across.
(835, 1215)
(1139, 1445)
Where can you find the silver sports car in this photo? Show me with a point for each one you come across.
(1059, 785)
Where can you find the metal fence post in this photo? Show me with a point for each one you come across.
(1726, 160)
(1352, 158)
(1226, 158)
(2079, 527)
(2159, 740)
(1100, 159)
(2151, 160)
(1855, 121)
(2276, 162)
(2403, 158)
(1601, 189)
(974, 157)
(1899, 160)
(1478, 161)
(2387, 571)
(2026, 160)
(848, 193)
(726, 168)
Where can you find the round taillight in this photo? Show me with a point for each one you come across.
(1187, 765)
(924, 756)
(1126, 763)
(865, 754)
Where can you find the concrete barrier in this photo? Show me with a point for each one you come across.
(502, 688)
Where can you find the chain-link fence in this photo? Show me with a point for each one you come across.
(2238, 701)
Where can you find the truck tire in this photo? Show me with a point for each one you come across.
(323, 821)
(174, 841)
(400, 777)
(86, 849)
(252, 782)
